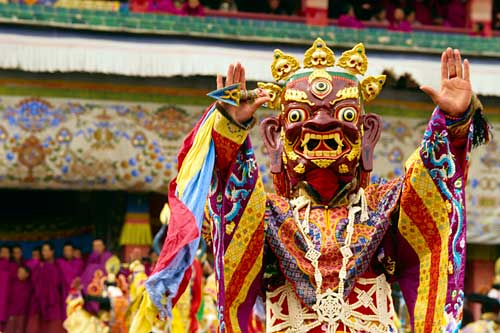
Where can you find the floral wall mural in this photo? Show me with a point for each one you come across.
(56, 143)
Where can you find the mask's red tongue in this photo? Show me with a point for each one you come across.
(325, 182)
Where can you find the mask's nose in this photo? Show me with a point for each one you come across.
(323, 121)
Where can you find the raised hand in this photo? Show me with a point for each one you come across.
(246, 109)
(456, 91)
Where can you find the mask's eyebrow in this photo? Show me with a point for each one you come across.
(294, 95)
(346, 93)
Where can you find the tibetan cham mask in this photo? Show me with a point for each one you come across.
(322, 141)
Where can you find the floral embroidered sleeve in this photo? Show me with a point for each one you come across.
(430, 233)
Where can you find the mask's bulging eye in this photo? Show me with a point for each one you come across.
(321, 86)
(296, 115)
(347, 114)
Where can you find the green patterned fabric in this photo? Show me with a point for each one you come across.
(244, 29)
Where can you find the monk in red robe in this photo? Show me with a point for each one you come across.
(4, 282)
(19, 297)
(15, 300)
(16, 261)
(71, 268)
(35, 258)
(95, 262)
(47, 282)
(77, 256)
(32, 324)
(17, 256)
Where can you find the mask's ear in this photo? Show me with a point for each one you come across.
(372, 125)
(270, 128)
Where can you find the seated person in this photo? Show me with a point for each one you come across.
(349, 20)
(400, 23)
(193, 8)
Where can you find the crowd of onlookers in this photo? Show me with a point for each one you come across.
(188, 7)
(404, 14)
(399, 15)
(33, 292)
(197, 7)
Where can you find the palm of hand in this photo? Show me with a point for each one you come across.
(456, 90)
(454, 96)
(245, 111)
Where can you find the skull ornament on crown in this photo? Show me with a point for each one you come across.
(322, 141)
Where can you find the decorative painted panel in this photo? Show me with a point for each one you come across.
(78, 144)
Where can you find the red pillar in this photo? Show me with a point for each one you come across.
(316, 12)
(481, 11)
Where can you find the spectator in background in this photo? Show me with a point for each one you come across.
(136, 254)
(70, 267)
(193, 8)
(17, 255)
(20, 291)
(4, 282)
(96, 261)
(349, 20)
(77, 258)
(276, 7)
(399, 23)
(77, 253)
(16, 259)
(32, 325)
(411, 18)
(4, 252)
(380, 16)
(14, 288)
(35, 258)
(228, 6)
(164, 6)
(47, 316)
(36, 253)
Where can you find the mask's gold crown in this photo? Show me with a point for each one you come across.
(319, 57)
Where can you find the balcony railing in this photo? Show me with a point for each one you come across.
(250, 27)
